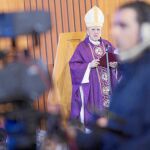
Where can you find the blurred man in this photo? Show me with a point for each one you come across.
(131, 99)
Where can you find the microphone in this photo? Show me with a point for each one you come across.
(107, 47)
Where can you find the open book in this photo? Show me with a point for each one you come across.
(111, 58)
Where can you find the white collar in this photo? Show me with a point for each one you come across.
(94, 42)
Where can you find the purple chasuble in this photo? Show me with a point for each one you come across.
(96, 91)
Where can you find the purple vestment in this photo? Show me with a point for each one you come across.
(95, 92)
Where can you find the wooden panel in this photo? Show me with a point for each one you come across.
(94, 2)
(54, 36)
(82, 14)
(71, 15)
(59, 17)
(65, 15)
(88, 5)
(49, 45)
(61, 73)
(11, 5)
(77, 16)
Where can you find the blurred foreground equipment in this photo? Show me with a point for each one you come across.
(22, 78)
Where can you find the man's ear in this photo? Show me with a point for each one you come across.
(145, 32)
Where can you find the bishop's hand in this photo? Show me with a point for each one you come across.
(94, 63)
(113, 64)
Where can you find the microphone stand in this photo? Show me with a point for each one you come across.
(108, 70)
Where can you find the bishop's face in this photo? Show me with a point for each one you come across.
(94, 33)
(126, 29)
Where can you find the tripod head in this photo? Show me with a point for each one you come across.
(22, 78)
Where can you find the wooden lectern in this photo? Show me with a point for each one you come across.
(62, 91)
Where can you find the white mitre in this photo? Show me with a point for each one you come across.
(94, 17)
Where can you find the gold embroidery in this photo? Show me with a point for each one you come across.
(106, 103)
(104, 76)
(106, 90)
(99, 51)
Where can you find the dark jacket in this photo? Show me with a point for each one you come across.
(131, 101)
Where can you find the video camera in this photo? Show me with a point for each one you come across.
(22, 79)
